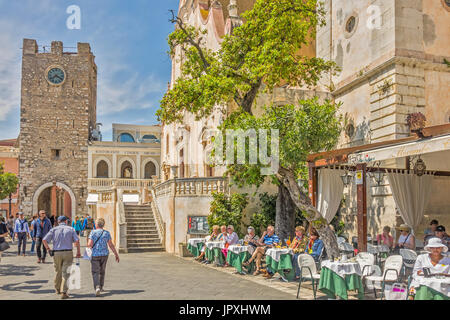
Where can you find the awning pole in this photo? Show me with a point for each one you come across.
(361, 194)
(312, 183)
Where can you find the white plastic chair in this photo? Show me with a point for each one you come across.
(308, 271)
(392, 269)
(409, 259)
(346, 248)
(366, 262)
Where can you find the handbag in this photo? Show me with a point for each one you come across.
(4, 246)
(88, 251)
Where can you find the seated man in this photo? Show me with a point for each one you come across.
(441, 234)
(431, 231)
(268, 240)
(315, 245)
(251, 239)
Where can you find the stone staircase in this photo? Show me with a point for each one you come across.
(142, 233)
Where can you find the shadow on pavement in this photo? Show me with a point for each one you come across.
(13, 270)
(26, 286)
(108, 293)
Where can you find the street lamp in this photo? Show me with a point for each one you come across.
(378, 174)
(346, 178)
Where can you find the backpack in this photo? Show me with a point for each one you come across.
(90, 223)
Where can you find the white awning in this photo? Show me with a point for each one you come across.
(92, 198)
(441, 143)
(131, 198)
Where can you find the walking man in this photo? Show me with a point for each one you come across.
(43, 226)
(22, 232)
(33, 232)
(63, 237)
(88, 225)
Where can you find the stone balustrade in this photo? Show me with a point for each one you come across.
(192, 187)
(125, 184)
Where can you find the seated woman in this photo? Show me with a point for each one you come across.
(230, 239)
(222, 234)
(267, 240)
(315, 245)
(213, 237)
(298, 246)
(385, 238)
(251, 239)
(406, 240)
(434, 260)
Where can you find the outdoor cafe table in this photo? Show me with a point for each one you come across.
(337, 277)
(432, 288)
(280, 260)
(195, 246)
(237, 255)
(213, 251)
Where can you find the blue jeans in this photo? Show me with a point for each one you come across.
(295, 264)
(33, 243)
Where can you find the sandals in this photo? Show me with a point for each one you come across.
(256, 272)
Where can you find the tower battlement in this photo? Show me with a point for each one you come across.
(30, 46)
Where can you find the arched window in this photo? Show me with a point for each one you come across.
(126, 170)
(126, 137)
(149, 137)
(102, 169)
(150, 170)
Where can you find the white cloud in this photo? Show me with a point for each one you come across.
(133, 93)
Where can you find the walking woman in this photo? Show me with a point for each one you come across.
(99, 240)
(77, 225)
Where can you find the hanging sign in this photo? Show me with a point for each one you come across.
(359, 177)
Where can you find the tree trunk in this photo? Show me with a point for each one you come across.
(285, 214)
(313, 216)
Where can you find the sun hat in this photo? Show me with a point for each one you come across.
(404, 227)
(435, 243)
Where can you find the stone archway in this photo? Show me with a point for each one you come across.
(47, 185)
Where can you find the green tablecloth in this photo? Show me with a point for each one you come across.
(195, 250)
(283, 266)
(211, 255)
(426, 293)
(334, 285)
(236, 260)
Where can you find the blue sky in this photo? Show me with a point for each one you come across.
(128, 39)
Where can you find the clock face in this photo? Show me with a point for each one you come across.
(56, 75)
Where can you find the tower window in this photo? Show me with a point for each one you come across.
(56, 154)
(350, 25)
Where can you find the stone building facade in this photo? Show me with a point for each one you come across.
(9, 157)
(392, 55)
(58, 112)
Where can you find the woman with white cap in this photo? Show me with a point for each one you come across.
(434, 261)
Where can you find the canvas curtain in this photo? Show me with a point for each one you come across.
(411, 194)
(330, 190)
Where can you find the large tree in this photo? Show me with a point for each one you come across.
(8, 185)
(260, 55)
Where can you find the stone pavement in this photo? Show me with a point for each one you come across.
(137, 276)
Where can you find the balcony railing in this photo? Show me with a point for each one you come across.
(192, 187)
(126, 184)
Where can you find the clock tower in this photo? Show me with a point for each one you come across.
(57, 114)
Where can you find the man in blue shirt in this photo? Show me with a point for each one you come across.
(42, 227)
(268, 240)
(63, 237)
(22, 232)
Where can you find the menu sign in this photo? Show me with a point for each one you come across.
(197, 225)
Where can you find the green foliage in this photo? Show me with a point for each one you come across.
(226, 210)
(264, 49)
(8, 183)
(260, 220)
(309, 128)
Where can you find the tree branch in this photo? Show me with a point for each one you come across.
(177, 20)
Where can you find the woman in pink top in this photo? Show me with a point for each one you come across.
(385, 238)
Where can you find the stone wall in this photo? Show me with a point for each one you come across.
(56, 117)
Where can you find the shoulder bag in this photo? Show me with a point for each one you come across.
(88, 251)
